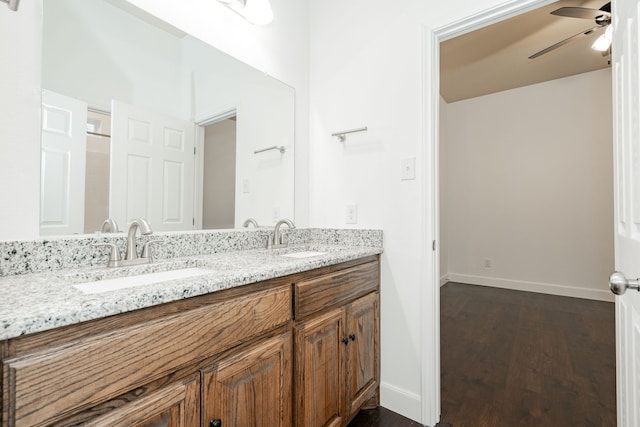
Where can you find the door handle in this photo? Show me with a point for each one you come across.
(619, 284)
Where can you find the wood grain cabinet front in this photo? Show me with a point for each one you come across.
(319, 370)
(175, 405)
(337, 352)
(362, 330)
(251, 387)
(53, 382)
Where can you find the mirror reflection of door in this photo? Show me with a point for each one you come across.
(219, 171)
(62, 164)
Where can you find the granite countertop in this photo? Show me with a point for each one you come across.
(37, 302)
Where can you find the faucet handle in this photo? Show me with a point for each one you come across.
(146, 249)
(282, 241)
(114, 255)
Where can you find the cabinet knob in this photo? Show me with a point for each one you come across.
(345, 340)
(352, 337)
(215, 423)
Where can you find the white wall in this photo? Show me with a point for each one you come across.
(264, 107)
(530, 186)
(280, 49)
(369, 64)
(20, 48)
(118, 57)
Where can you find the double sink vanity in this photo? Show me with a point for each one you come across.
(217, 331)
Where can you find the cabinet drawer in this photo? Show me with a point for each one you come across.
(93, 370)
(334, 289)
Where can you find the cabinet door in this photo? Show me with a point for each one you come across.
(250, 388)
(319, 370)
(362, 323)
(176, 405)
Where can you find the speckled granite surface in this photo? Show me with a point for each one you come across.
(50, 254)
(34, 302)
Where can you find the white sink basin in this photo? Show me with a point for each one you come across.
(304, 254)
(100, 286)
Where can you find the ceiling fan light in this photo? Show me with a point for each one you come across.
(258, 12)
(603, 42)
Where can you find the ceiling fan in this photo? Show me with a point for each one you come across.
(602, 17)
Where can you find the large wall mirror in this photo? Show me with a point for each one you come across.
(142, 120)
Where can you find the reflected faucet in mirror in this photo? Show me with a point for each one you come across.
(250, 221)
(109, 226)
(276, 239)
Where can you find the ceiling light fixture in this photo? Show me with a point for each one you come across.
(603, 42)
(13, 4)
(257, 12)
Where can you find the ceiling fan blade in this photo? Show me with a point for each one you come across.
(580, 12)
(567, 40)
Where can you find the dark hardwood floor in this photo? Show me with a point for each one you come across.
(512, 358)
(381, 417)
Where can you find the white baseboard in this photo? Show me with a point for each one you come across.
(444, 279)
(401, 401)
(542, 288)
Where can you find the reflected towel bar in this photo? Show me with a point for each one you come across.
(342, 135)
(98, 134)
(275, 147)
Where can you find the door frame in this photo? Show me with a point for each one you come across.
(430, 295)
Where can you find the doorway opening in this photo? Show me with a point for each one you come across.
(219, 174)
(98, 161)
(485, 269)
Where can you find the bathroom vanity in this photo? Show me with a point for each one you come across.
(274, 341)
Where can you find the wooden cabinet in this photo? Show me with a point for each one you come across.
(114, 363)
(336, 352)
(319, 370)
(246, 356)
(176, 405)
(250, 388)
(362, 352)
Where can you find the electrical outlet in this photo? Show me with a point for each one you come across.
(275, 213)
(408, 169)
(245, 185)
(352, 214)
(488, 263)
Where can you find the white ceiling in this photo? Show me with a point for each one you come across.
(495, 58)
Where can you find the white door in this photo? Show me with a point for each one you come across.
(152, 168)
(62, 164)
(626, 95)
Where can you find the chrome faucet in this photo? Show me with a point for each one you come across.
(275, 240)
(132, 251)
(109, 226)
(131, 255)
(250, 221)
